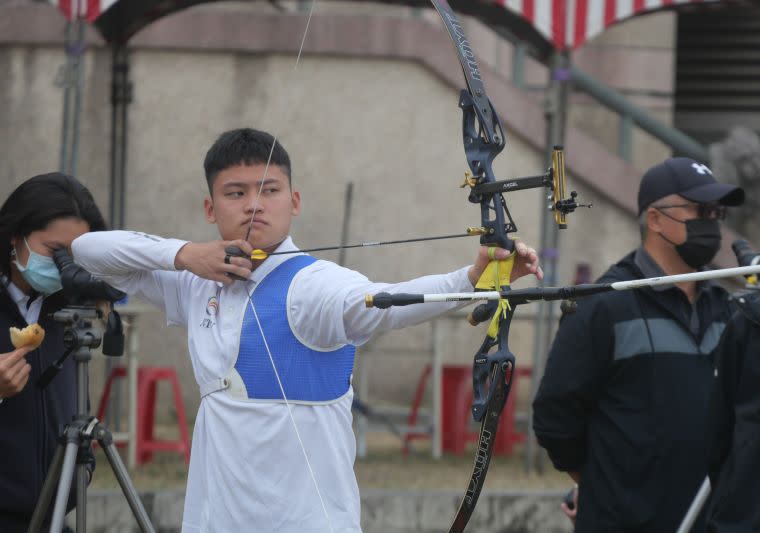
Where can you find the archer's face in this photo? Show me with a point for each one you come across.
(235, 195)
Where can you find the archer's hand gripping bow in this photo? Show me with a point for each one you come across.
(494, 364)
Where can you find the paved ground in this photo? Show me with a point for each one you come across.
(383, 468)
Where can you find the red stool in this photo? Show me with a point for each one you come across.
(411, 419)
(456, 401)
(147, 380)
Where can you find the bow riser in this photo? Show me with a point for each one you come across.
(501, 383)
(492, 356)
(480, 155)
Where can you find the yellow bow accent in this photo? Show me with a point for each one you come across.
(495, 277)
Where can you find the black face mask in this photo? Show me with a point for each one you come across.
(702, 242)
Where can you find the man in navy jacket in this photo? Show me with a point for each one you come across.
(622, 403)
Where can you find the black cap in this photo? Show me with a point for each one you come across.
(688, 178)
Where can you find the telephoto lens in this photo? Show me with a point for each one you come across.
(79, 286)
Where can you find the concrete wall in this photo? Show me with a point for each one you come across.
(637, 58)
(373, 103)
(383, 511)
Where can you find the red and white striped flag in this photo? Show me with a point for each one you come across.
(86, 9)
(567, 24)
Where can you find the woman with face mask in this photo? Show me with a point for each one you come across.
(41, 215)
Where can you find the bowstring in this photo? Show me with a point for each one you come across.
(274, 137)
(253, 307)
(290, 413)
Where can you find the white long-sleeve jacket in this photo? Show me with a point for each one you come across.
(248, 470)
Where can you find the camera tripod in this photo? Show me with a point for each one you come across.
(79, 338)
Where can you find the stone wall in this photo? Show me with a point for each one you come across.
(374, 105)
(383, 511)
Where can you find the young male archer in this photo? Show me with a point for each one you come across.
(273, 448)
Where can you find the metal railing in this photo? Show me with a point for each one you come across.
(631, 114)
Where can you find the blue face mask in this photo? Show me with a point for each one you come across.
(40, 272)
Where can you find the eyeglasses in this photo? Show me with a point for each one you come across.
(706, 211)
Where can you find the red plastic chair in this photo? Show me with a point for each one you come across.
(456, 414)
(147, 381)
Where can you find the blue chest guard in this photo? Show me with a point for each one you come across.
(307, 375)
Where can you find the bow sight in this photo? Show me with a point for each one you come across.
(553, 179)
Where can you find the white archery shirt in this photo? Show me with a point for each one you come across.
(248, 470)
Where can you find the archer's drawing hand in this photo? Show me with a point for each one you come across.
(526, 262)
(209, 260)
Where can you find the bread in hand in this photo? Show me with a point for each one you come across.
(32, 335)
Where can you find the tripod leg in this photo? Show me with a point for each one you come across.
(130, 493)
(64, 485)
(43, 502)
(81, 497)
